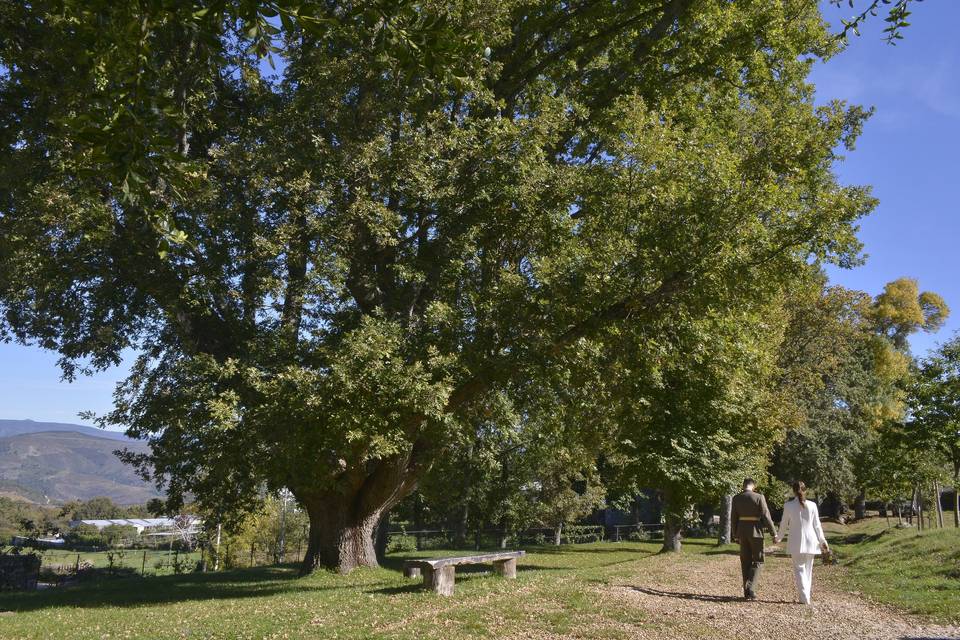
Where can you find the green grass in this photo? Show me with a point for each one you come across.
(556, 591)
(915, 571)
(58, 561)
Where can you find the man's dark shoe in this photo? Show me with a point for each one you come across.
(750, 596)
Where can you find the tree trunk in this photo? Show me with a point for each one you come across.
(921, 525)
(913, 506)
(418, 519)
(956, 505)
(216, 557)
(860, 506)
(557, 533)
(343, 520)
(504, 534)
(460, 526)
(671, 535)
(956, 493)
(339, 539)
(671, 525)
(937, 494)
(833, 506)
(382, 537)
(725, 510)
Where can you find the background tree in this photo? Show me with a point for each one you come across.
(845, 361)
(934, 425)
(323, 274)
(114, 534)
(566, 493)
(706, 418)
(97, 508)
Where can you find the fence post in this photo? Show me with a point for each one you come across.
(143, 565)
(77, 569)
(251, 553)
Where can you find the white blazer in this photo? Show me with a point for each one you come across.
(801, 525)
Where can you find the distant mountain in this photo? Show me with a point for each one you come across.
(57, 466)
(17, 427)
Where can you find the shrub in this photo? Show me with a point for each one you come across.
(401, 543)
(640, 535)
(84, 535)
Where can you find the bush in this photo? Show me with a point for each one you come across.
(640, 535)
(401, 543)
(118, 533)
(115, 559)
(578, 534)
(84, 535)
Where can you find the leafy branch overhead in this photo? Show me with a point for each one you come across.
(897, 13)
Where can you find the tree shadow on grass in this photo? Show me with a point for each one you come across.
(703, 597)
(464, 573)
(134, 592)
(721, 551)
(564, 549)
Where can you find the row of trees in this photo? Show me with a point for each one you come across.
(568, 239)
(25, 519)
(837, 404)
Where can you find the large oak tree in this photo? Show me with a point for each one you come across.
(323, 273)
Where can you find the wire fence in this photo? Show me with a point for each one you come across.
(60, 567)
(426, 539)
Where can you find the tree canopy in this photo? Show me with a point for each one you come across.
(325, 274)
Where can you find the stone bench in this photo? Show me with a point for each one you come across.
(438, 573)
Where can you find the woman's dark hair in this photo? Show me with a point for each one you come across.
(800, 490)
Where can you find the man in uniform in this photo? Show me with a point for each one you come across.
(747, 519)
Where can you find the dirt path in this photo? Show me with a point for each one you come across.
(696, 597)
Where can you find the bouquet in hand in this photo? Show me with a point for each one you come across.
(827, 555)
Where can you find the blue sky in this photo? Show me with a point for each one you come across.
(908, 152)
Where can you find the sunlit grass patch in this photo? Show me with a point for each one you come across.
(917, 571)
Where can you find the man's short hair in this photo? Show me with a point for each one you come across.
(749, 482)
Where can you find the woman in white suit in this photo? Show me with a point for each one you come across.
(801, 525)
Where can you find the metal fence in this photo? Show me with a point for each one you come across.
(426, 539)
(60, 566)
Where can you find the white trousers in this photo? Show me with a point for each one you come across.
(803, 574)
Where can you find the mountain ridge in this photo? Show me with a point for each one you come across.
(18, 427)
(68, 462)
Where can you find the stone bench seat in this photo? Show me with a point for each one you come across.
(439, 573)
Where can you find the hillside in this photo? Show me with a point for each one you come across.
(57, 466)
(18, 427)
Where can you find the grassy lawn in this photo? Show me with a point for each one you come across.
(916, 571)
(158, 561)
(555, 592)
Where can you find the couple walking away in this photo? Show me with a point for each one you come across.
(800, 524)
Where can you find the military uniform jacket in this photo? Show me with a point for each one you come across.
(749, 515)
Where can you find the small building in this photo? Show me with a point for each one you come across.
(182, 525)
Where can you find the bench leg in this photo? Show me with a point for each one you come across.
(440, 580)
(411, 572)
(506, 568)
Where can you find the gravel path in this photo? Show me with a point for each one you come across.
(695, 596)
